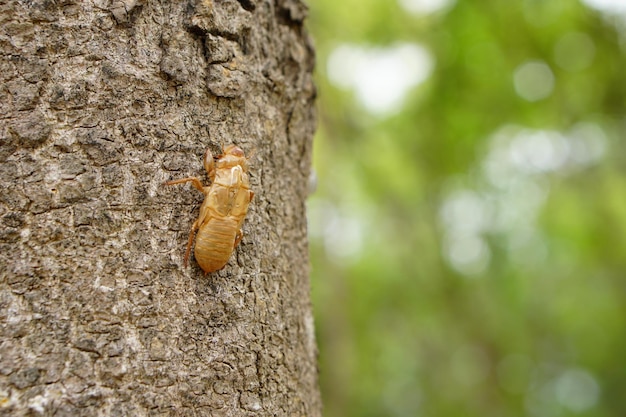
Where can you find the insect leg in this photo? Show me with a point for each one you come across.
(194, 181)
(238, 238)
(192, 233)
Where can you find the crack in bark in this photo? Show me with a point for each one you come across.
(247, 5)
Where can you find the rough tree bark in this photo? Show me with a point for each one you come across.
(101, 102)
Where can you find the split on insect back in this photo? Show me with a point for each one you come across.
(222, 213)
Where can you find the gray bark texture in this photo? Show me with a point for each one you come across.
(101, 102)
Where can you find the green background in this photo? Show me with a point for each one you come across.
(467, 245)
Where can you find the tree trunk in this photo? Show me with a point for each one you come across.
(102, 101)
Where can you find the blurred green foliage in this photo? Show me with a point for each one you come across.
(468, 251)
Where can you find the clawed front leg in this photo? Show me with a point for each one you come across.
(193, 180)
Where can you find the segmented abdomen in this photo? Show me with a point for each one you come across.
(215, 242)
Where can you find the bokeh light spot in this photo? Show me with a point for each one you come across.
(341, 230)
(533, 80)
(607, 6)
(465, 215)
(465, 212)
(380, 77)
(425, 7)
(468, 254)
(539, 151)
(577, 390)
(588, 143)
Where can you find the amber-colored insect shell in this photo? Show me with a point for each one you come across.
(223, 211)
